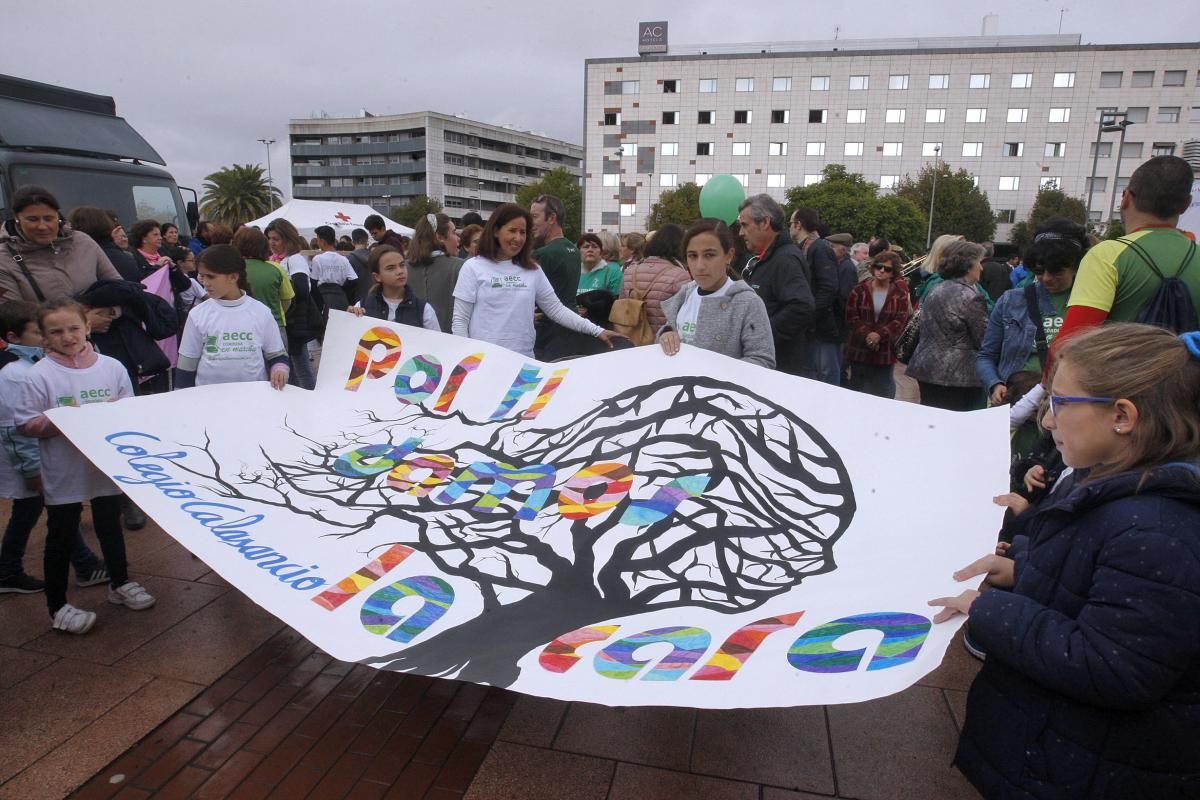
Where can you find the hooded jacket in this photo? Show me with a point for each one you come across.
(1091, 688)
(63, 268)
(734, 324)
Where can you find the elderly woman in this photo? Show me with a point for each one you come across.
(41, 258)
(876, 312)
(953, 321)
(632, 249)
(594, 271)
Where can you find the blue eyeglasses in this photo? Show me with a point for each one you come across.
(1058, 400)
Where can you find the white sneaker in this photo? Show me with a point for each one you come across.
(73, 620)
(131, 595)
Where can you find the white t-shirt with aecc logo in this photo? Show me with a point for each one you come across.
(231, 340)
(67, 476)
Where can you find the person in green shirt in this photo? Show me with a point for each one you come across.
(557, 257)
(268, 285)
(595, 273)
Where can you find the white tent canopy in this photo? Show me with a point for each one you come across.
(308, 215)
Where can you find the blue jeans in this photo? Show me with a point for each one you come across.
(25, 513)
(302, 374)
(874, 379)
(822, 361)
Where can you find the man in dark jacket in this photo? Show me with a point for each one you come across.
(821, 359)
(380, 233)
(776, 271)
(996, 273)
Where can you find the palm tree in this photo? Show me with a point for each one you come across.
(238, 194)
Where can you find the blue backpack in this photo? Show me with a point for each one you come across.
(1171, 306)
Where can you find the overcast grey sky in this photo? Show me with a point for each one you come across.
(202, 81)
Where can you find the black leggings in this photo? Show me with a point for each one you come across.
(951, 398)
(62, 529)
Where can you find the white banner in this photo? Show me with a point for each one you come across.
(627, 529)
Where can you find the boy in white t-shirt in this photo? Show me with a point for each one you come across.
(332, 272)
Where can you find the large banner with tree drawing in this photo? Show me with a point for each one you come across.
(629, 528)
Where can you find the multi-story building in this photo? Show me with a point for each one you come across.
(386, 161)
(1017, 112)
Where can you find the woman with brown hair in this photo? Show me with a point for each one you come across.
(303, 319)
(433, 264)
(876, 312)
(498, 290)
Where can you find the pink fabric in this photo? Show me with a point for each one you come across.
(151, 258)
(81, 360)
(159, 283)
(656, 280)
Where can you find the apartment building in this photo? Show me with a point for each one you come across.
(1017, 112)
(386, 161)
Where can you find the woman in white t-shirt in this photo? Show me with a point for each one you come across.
(303, 318)
(231, 337)
(499, 289)
(73, 374)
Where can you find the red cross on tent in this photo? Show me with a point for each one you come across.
(341, 217)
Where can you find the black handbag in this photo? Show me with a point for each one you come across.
(906, 343)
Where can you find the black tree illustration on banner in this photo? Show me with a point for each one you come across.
(768, 500)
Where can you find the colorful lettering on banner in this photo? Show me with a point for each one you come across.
(362, 578)
(439, 466)
(457, 376)
(742, 644)
(606, 483)
(504, 478)
(903, 635)
(354, 464)
(428, 366)
(544, 396)
(365, 365)
(664, 502)
(528, 379)
(378, 617)
(560, 655)
(617, 661)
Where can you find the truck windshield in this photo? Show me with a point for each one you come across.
(132, 197)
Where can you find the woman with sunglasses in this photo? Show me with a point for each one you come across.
(1093, 653)
(876, 312)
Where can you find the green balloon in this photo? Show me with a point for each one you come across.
(721, 197)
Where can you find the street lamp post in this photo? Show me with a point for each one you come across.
(1107, 124)
(1125, 123)
(387, 202)
(937, 152)
(270, 181)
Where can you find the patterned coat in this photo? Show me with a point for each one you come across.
(954, 317)
(860, 321)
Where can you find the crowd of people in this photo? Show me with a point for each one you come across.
(1088, 617)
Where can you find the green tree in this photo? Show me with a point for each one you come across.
(1052, 203)
(1020, 236)
(238, 194)
(680, 206)
(416, 208)
(959, 206)
(565, 186)
(848, 203)
(1115, 229)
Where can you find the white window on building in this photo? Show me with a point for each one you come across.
(706, 148)
(670, 118)
(742, 117)
(776, 180)
(1163, 149)
(1168, 114)
(780, 116)
(819, 83)
(1064, 80)
(931, 149)
(781, 84)
(889, 181)
(856, 116)
(668, 179)
(941, 81)
(812, 179)
(1098, 185)
(853, 149)
(899, 82)
(1010, 183)
(814, 149)
(612, 117)
(777, 149)
(859, 83)
(1050, 182)
(1022, 80)
(1055, 150)
(1132, 149)
(892, 149)
(895, 115)
(1013, 149)
(628, 209)
(741, 148)
(980, 80)
(743, 85)
(668, 148)
(1174, 77)
(612, 179)
(1142, 79)
(972, 150)
(631, 87)
(708, 85)
(1017, 114)
(742, 178)
(817, 116)
(976, 115)
(1006, 216)
(1060, 115)
(670, 86)
(702, 178)
(1111, 80)
(706, 118)
(935, 115)
(1105, 150)
(628, 149)
(1137, 113)
(1195, 114)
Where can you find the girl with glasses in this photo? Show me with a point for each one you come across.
(876, 312)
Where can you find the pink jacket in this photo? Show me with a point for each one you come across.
(653, 280)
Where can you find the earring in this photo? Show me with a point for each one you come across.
(1116, 429)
